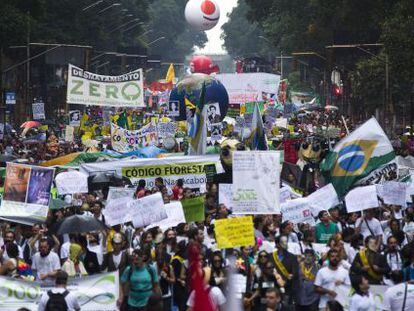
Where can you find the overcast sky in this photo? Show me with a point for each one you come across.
(214, 44)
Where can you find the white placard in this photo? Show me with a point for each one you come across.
(256, 182)
(281, 122)
(147, 210)
(38, 111)
(71, 182)
(117, 193)
(175, 216)
(393, 192)
(117, 211)
(323, 199)
(69, 133)
(284, 195)
(297, 211)
(361, 198)
(213, 114)
(74, 117)
(166, 129)
(225, 195)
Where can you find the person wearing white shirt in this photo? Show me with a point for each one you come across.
(45, 263)
(399, 297)
(216, 297)
(362, 299)
(368, 225)
(329, 277)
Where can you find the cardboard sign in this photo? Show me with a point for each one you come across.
(361, 198)
(234, 232)
(297, 211)
(147, 210)
(193, 209)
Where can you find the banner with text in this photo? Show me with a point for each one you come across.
(87, 88)
(97, 292)
(234, 232)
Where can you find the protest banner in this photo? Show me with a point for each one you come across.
(297, 211)
(394, 193)
(69, 133)
(189, 168)
(96, 292)
(147, 210)
(74, 117)
(323, 199)
(123, 140)
(26, 193)
(345, 292)
(256, 180)
(193, 209)
(115, 193)
(175, 216)
(117, 211)
(87, 88)
(226, 195)
(71, 182)
(361, 198)
(38, 110)
(234, 232)
(166, 129)
(174, 108)
(213, 114)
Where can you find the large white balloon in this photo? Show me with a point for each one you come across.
(202, 14)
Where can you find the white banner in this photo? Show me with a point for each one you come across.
(95, 293)
(361, 198)
(226, 195)
(394, 193)
(323, 199)
(175, 216)
(256, 181)
(87, 88)
(344, 294)
(123, 140)
(297, 211)
(117, 211)
(147, 210)
(118, 192)
(71, 182)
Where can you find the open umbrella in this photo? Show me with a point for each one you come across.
(30, 124)
(80, 224)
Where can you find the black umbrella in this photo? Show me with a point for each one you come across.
(79, 224)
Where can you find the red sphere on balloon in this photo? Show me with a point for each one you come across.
(203, 64)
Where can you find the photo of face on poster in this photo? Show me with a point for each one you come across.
(213, 114)
(174, 109)
(17, 179)
(39, 186)
(74, 118)
(216, 129)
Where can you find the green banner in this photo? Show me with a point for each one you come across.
(193, 209)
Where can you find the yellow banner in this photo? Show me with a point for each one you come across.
(234, 232)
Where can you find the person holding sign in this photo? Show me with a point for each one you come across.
(325, 229)
(286, 265)
(370, 263)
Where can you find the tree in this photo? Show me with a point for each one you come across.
(241, 37)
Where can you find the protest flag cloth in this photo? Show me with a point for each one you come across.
(358, 155)
(169, 78)
(198, 132)
(257, 139)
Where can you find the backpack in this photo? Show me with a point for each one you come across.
(57, 301)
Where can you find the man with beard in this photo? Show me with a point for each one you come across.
(329, 277)
(370, 263)
(45, 264)
(286, 265)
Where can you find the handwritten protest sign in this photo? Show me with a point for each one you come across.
(393, 192)
(117, 193)
(323, 199)
(147, 210)
(123, 140)
(193, 209)
(175, 216)
(26, 193)
(117, 211)
(71, 182)
(166, 129)
(234, 232)
(256, 180)
(361, 198)
(297, 211)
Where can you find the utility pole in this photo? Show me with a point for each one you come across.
(28, 104)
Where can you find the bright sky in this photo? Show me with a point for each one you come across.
(214, 44)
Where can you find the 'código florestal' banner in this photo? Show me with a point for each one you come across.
(87, 88)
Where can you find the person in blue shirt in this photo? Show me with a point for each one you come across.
(141, 279)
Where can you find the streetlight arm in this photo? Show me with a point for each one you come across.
(92, 5)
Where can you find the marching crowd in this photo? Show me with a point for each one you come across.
(290, 267)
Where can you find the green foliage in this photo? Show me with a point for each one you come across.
(167, 20)
(241, 37)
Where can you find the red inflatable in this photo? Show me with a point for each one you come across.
(203, 64)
